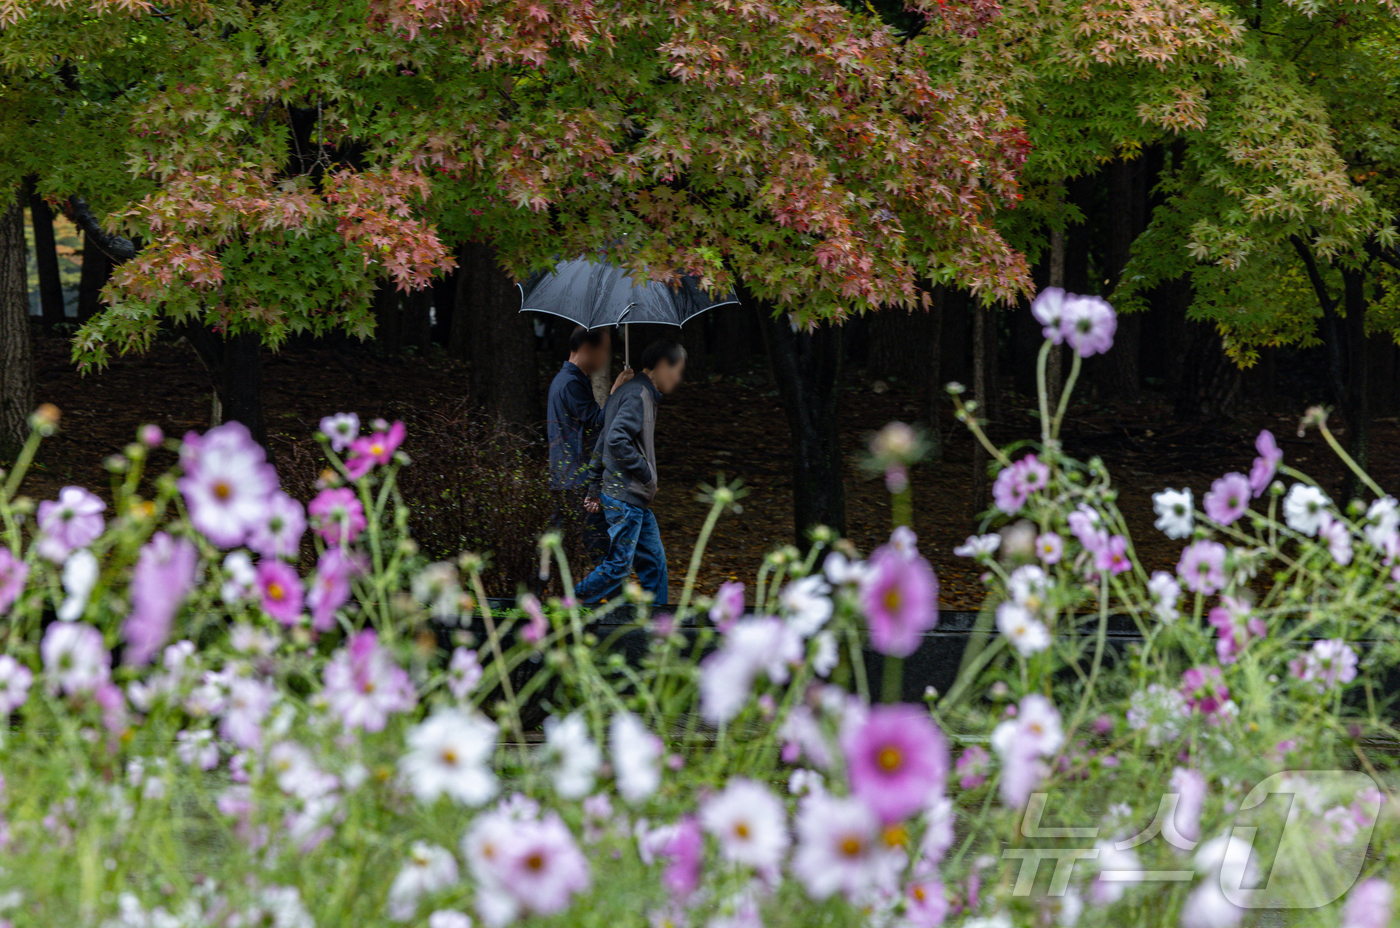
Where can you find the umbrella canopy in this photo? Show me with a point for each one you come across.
(594, 294)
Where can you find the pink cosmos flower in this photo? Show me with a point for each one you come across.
(972, 767)
(1228, 498)
(378, 448)
(899, 595)
(897, 760)
(1112, 555)
(1049, 548)
(841, 849)
(1204, 689)
(765, 645)
(1022, 770)
(538, 626)
(1334, 533)
(337, 515)
(1084, 526)
(728, 606)
(1261, 474)
(533, 866)
(1368, 904)
(13, 574)
(112, 702)
(925, 902)
(74, 657)
(163, 577)
(1329, 663)
(1088, 324)
(330, 586)
(684, 851)
(464, 672)
(279, 532)
(280, 589)
(1015, 484)
(364, 685)
(1048, 308)
(342, 429)
(227, 483)
(1235, 624)
(15, 680)
(1202, 567)
(150, 435)
(73, 522)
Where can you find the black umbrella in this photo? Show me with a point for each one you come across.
(594, 294)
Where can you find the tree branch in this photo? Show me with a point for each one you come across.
(117, 247)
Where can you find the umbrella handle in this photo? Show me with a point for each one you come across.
(627, 346)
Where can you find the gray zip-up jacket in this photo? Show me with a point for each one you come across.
(624, 459)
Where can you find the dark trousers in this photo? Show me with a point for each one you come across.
(636, 541)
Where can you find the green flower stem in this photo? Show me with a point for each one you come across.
(513, 708)
(1349, 461)
(1065, 392)
(1043, 392)
(892, 680)
(26, 457)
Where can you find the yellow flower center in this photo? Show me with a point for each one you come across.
(851, 846)
(275, 591)
(741, 831)
(222, 490)
(889, 759)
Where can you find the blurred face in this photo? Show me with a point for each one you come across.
(593, 358)
(668, 376)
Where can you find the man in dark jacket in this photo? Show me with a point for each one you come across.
(622, 478)
(575, 420)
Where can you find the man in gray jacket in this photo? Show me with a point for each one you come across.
(622, 478)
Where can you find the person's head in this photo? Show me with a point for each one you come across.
(590, 350)
(664, 362)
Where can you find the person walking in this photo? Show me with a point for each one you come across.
(575, 420)
(623, 479)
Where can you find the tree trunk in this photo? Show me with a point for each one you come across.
(733, 346)
(503, 377)
(936, 395)
(388, 318)
(1210, 381)
(234, 365)
(1357, 411)
(807, 371)
(418, 321)
(46, 259)
(16, 352)
(459, 336)
(1116, 373)
(981, 322)
(1054, 362)
(444, 293)
(899, 343)
(96, 271)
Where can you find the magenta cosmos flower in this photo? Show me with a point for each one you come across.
(330, 587)
(280, 588)
(227, 483)
(73, 521)
(337, 515)
(1236, 625)
(1266, 465)
(375, 449)
(364, 685)
(1088, 324)
(13, 573)
(897, 760)
(162, 578)
(900, 598)
(1204, 689)
(1228, 498)
(1202, 567)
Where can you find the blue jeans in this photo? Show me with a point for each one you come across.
(634, 538)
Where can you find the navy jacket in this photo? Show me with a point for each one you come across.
(575, 420)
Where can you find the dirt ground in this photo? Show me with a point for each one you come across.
(731, 425)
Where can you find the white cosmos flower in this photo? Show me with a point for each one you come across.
(1028, 586)
(449, 755)
(841, 848)
(1027, 634)
(1036, 728)
(429, 869)
(807, 603)
(1175, 512)
(1303, 508)
(636, 757)
(574, 758)
(842, 571)
(749, 823)
(979, 546)
(80, 574)
(1164, 591)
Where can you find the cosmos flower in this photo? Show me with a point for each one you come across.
(1048, 308)
(163, 577)
(1327, 664)
(1265, 466)
(280, 589)
(80, 574)
(1303, 508)
(13, 574)
(1175, 512)
(227, 483)
(841, 849)
(1027, 634)
(342, 429)
(1227, 499)
(363, 685)
(337, 515)
(1202, 567)
(449, 754)
(75, 659)
(749, 824)
(897, 759)
(1164, 591)
(900, 599)
(429, 869)
(73, 521)
(807, 604)
(1088, 324)
(571, 756)
(278, 533)
(375, 449)
(728, 606)
(636, 757)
